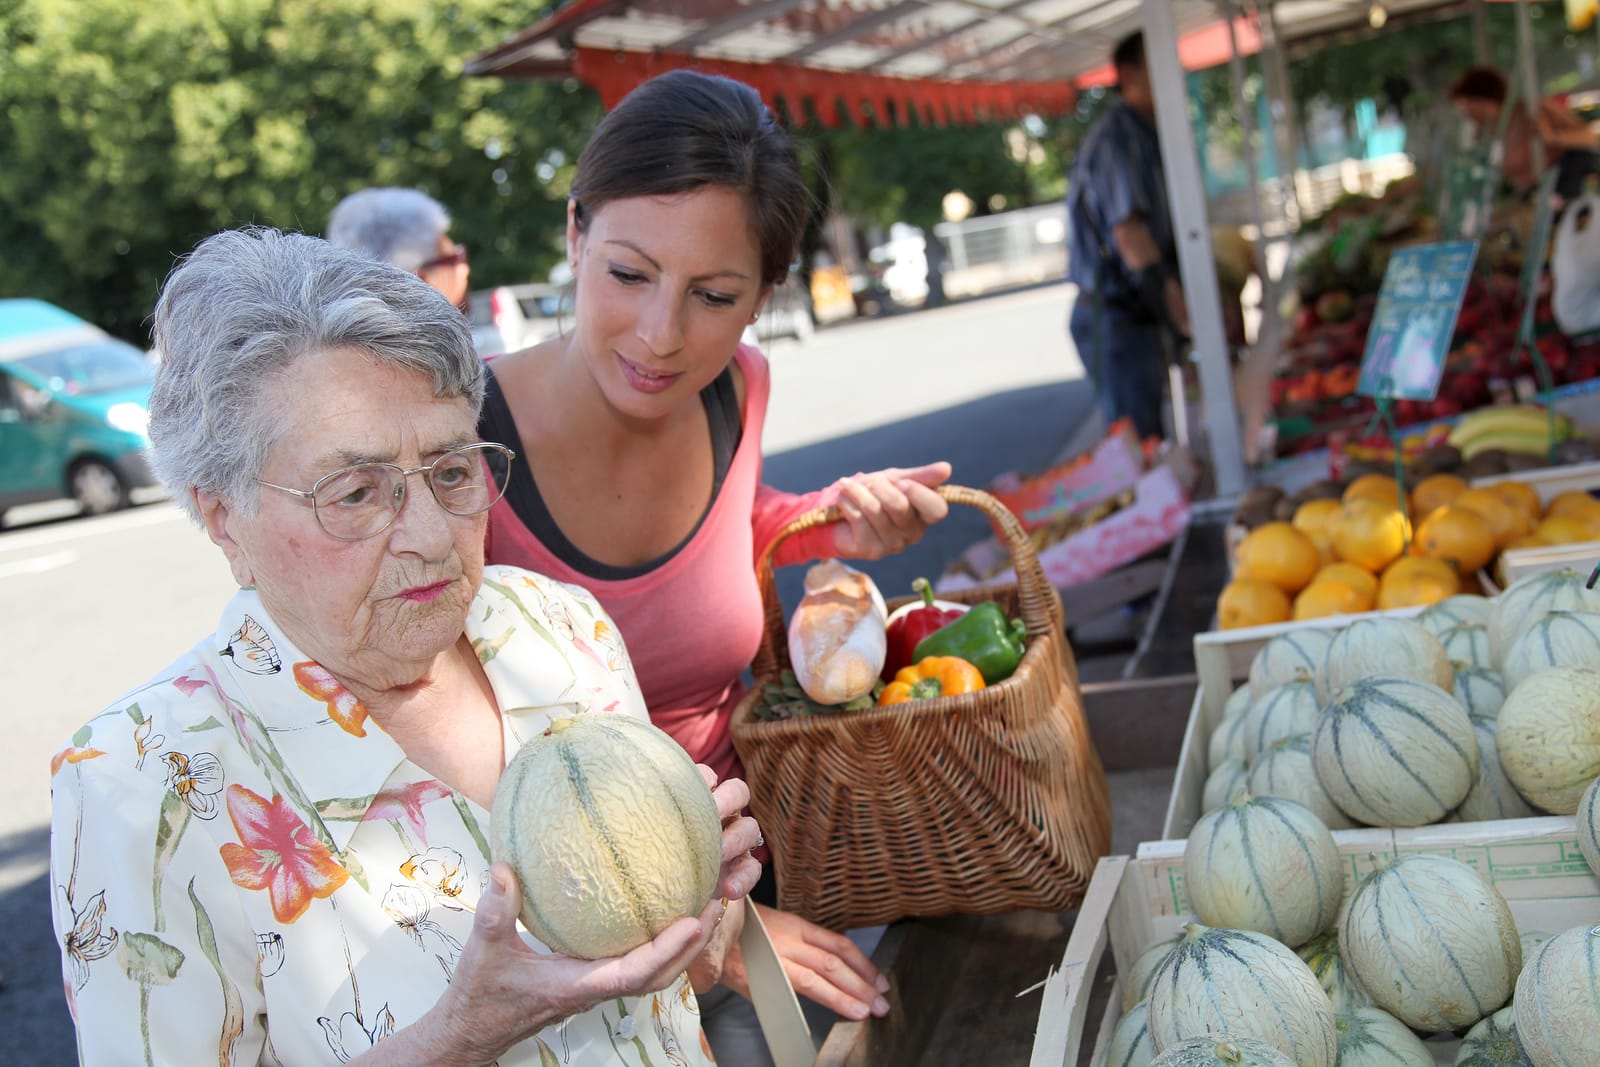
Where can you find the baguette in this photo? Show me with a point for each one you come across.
(837, 641)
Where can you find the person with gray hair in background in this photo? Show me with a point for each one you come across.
(408, 229)
(276, 850)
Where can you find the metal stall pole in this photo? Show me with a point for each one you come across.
(1192, 230)
(1280, 105)
(1262, 357)
(1527, 69)
(1480, 32)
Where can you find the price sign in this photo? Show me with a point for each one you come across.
(1415, 320)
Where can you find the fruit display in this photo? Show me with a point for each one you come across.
(1340, 266)
(1347, 546)
(613, 804)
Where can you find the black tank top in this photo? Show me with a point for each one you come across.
(721, 402)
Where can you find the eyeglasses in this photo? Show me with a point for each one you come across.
(454, 258)
(359, 502)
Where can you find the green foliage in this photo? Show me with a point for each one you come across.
(902, 174)
(133, 128)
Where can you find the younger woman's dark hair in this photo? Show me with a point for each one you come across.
(684, 130)
(1480, 83)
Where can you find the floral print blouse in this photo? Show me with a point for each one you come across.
(248, 870)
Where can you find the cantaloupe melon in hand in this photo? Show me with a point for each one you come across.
(612, 833)
(1548, 733)
(1264, 864)
(1432, 941)
(1558, 1001)
(1383, 646)
(1395, 751)
(1241, 984)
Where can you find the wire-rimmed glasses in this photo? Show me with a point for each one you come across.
(358, 502)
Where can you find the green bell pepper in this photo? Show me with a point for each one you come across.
(984, 637)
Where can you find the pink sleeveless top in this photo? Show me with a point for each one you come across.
(692, 625)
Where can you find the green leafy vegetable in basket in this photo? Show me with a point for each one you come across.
(784, 699)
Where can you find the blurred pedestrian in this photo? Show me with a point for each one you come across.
(1123, 258)
(408, 229)
(1479, 95)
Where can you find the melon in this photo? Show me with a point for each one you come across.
(1384, 646)
(1264, 864)
(1371, 1037)
(1130, 1039)
(1589, 826)
(1452, 611)
(1467, 645)
(612, 833)
(1227, 742)
(1240, 983)
(1135, 984)
(1431, 941)
(1531, 940)
(1559, 639)
(1493, 1043)
(1548, 733)
(1394, 751)
(1283, 712)
(1238, 702)
(1479, 690)
(1222, 1052)
(1492, 795)
(1291, 657)
(1223, 783)
(1285, 770)
(1321, 954)
(1558, 1001)
(1532, 598)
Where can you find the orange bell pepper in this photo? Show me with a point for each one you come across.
(934, 676)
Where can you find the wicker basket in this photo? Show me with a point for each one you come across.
(984, 802)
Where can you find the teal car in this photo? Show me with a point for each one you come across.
(73, 410)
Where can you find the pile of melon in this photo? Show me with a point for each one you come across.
(1282, 967)
(1377, 547)
(1475, 709)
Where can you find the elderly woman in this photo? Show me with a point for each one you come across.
(275, 850)
(408, 228)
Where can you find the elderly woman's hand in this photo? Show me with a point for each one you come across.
(504, 992)
(887, 510)
(740, 871)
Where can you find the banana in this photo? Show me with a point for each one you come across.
(1534, 442)
(1492, 422)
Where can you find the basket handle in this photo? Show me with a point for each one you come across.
(1037, 603)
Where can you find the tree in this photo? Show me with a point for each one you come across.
(134, 128)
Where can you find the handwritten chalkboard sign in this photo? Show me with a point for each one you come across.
(1415, 320)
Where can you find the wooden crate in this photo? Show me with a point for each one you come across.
(1551, 482)
(1518, 563)
(1133, 902)
(1221, 661)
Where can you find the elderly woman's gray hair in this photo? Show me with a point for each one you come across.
(399, 226)
(241, 309)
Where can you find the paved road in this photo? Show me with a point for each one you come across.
(90, 608)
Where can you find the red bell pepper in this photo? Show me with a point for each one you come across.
(911, 623)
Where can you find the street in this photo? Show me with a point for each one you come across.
(92, 607)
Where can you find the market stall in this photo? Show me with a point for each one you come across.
(983, 930)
